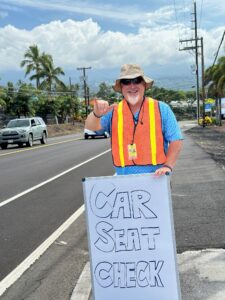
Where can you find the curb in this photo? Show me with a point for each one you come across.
(82, 290)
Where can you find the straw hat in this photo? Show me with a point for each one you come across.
(130, 71)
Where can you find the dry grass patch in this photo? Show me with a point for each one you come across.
(65, 129)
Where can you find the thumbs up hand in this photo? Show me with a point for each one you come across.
(102, 107)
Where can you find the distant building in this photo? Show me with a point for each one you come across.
(181, 104)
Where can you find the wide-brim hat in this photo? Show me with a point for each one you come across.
(130, 71)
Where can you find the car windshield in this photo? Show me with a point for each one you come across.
(18, 123)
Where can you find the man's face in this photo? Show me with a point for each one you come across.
(133, 90)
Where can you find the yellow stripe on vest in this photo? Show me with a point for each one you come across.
(120, 133)
(152, 130)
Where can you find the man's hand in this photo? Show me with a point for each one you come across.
(162, 171)
(171, 158)
(102, 107)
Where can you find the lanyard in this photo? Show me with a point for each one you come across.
(137, 121)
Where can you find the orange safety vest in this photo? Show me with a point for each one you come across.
(146, 135)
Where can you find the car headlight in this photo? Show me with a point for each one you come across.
(22, 131)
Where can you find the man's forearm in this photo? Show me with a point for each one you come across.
(92, 122)
(173, 153)
(101, 107)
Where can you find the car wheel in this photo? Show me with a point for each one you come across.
(86, 136)
(4, 146)
(30, 141)
(44, 138)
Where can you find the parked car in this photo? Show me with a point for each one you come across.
(21, 131)
(100, 133)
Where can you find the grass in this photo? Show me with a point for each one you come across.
(65, 129)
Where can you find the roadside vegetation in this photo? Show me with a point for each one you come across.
(49, 97)
(215, 82)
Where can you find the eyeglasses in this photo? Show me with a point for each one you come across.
(136, 80)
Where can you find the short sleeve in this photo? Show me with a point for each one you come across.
(170, 126)
(106, 122)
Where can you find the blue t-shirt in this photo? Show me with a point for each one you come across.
(171, 132)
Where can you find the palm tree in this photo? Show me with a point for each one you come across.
(32, 61)
(221, 77)
(50, 73)
(215, 78)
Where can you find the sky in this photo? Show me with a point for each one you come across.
(105, 34)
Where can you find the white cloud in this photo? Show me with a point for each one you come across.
(7, 7)
(73, 44)
(3, 14)
(212, 40)
(132, 14)
(211, 6)
(78, 43)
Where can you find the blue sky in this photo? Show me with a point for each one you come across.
(106, 34)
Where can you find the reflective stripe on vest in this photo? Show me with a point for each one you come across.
(120, 132)
(152, 130)
(148, 136)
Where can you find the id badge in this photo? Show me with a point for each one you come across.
(132, 151)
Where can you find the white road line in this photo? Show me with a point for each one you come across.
(82, 289)
(50, 179)
(21, 268)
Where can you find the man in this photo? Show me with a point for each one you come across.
(145, 135)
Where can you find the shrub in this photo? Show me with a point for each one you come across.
(208, 120)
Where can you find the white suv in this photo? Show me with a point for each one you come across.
(26, 130)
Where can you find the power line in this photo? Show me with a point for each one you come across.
(218, 48)
(86, 89)
(36, 92)
(185, 20)
(175, 10)
(200, 15)
(176, 18)
(195, 47)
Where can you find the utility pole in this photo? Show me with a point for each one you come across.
(86, 91)
(203, 84)
(88, 98)
(196, 60)
(195, 47)
(70, 82)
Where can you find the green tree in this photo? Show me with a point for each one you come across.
(41, 106)
(221, 76)
(69, 107)
(3, 98)
(215, 79)
(22, 104)
(104, 91)
(2, 104)
(10, 98)
(32, 61)
(191, 95)
(50, 74)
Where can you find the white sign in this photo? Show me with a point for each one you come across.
(222, 106)
(131, 238)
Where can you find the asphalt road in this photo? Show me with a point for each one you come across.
(198, 203)
(30, 219)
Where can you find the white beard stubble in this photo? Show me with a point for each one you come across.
(133, 100)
